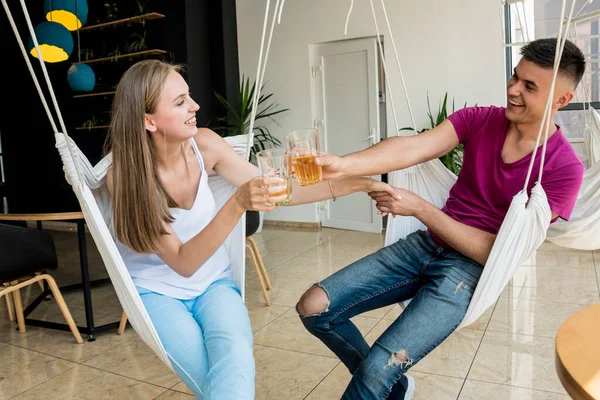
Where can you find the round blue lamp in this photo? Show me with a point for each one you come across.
(81, 78)
(55, 42)
(71, 13)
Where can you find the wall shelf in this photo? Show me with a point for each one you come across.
(136, 19)
(137, 54)
(77, 96)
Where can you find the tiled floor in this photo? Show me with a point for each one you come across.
(508, 354)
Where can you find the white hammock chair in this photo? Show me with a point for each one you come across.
(582, 231)
(88, 184)
(525, 224)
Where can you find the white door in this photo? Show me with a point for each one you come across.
(346, 113)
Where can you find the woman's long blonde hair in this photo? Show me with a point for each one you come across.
(140, 201)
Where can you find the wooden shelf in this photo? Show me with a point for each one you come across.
(77, 96)
(82, 128)
(136, 19)
(137, 54)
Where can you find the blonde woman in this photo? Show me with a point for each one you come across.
(166, 233)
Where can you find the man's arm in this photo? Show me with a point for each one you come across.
(392, 154)
(472, 242)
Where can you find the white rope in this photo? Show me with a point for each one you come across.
(257, 82)
(546, 119)
(383, 63)
(264, 66)
(387, 21)
(280, 12)
(348, 17)
(35, 80)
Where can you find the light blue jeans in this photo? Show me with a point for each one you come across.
(208, 340)
(440, 282)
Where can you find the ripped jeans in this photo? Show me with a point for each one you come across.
(440, 282)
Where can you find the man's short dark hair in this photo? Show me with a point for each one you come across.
(541, 52)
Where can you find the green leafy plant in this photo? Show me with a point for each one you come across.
(90, 123)
(138, 44)
(114, 54)
(237, 118)
(88, 53)
(453, 160)
(111, 11)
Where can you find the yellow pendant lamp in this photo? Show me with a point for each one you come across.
(71, 13)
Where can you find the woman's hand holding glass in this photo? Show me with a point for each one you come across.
(261, 193)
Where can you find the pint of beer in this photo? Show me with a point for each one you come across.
(303, 147)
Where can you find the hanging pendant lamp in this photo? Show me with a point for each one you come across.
(55, 42)
(71, 13)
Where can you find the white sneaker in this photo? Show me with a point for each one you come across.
(410, 389)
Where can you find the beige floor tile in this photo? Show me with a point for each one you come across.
(285, 291)
(22, 369)
(281, 245)
(565, 259)
(531, 317)
(427, 386)
(182, 387)
(518, 360)
(269, 232)
(310, 268)
(331, 251)
(551, 247)
(135, 360)
(585, 296)
(104, 300)
(474, 390)
(261, 314)
(87, 383)
(360, 238)
(567, 285)
(173, 395)
(62, 343)
(310, 236)
(284, 374)
(270, 260)
(288, 332)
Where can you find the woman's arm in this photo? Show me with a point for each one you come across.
(339, 188)
(186, 259)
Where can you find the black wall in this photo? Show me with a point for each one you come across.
(199, 33)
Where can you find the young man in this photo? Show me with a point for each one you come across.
(429, 266)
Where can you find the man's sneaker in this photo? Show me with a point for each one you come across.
(410, 388)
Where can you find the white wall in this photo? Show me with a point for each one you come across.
(452, 46)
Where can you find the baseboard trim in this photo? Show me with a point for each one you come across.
(292, 224)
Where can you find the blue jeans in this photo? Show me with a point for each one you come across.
(440, 282)
(208, 340)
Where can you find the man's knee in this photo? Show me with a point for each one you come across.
(313, 302)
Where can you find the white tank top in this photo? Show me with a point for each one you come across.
(150, 271)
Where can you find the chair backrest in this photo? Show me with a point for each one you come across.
(24, 252)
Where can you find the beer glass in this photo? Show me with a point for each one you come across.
(274, 163)
(303, 147)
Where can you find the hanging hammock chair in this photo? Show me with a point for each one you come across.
(526, 222)
(89, 185)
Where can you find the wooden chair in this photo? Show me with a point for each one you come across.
(27, 256)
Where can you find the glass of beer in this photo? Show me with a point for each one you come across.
(303, 147)
(274, 163)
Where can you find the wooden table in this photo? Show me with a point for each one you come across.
(86, 285)
(578, 354)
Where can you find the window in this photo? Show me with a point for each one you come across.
(534, 19)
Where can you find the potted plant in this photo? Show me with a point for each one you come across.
(452, 160)
(237, 118)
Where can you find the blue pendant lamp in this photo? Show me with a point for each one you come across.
(81, 78)
(55, 42)
(71, 13)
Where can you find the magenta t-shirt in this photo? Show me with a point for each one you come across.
(486, 184)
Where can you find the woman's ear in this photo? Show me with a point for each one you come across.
(149, 123)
